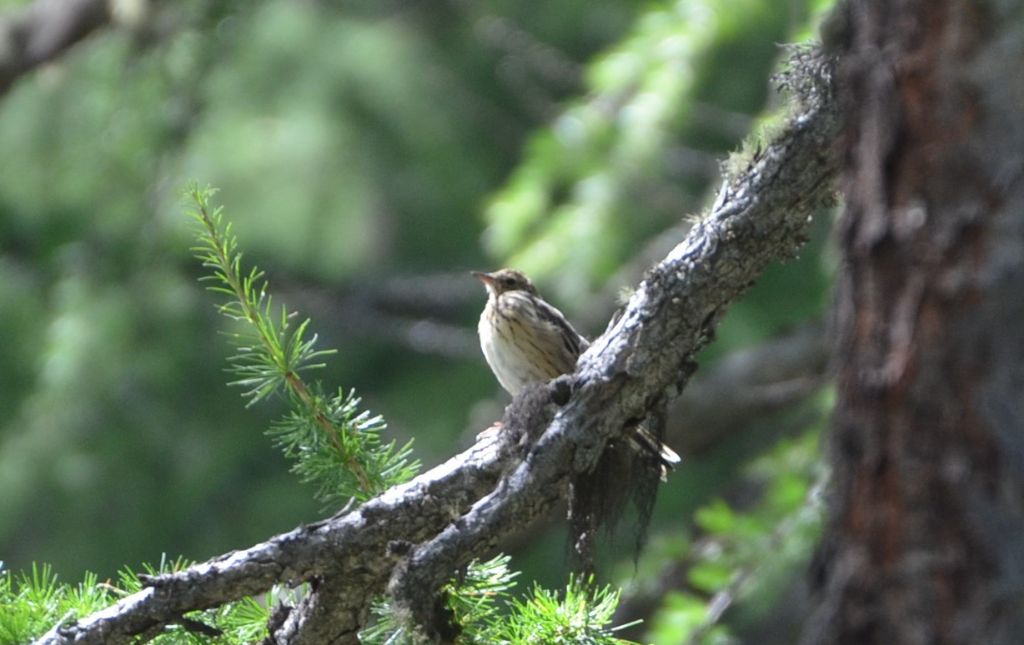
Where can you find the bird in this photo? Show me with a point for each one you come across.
(528, 341)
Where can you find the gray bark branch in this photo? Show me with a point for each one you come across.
(366, 540)
(761, 215)
(421, 531)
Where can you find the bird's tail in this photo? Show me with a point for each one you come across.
(667, 458)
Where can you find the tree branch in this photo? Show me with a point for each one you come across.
(451, 514)
(366, 539)
(761, 215)
(42, 31)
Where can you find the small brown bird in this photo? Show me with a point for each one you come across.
(526, 340)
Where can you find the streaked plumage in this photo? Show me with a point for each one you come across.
(525, 340)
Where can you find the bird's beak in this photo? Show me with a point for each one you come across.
(487, 279)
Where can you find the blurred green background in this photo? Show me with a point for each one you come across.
(370, 154)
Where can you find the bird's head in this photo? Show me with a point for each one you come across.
(504, 280)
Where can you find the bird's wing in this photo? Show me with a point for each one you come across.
(574, 343)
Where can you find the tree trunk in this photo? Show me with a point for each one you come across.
(925, 540)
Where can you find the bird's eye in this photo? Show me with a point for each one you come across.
(509, 281)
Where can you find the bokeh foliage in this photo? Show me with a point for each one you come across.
(357, 144)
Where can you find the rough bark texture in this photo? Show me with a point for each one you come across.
(416, 535)
(924, 540)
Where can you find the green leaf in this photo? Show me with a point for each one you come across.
(716, 518)
(335, 445)
(710, 576)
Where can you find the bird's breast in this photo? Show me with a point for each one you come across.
(514, 348)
